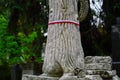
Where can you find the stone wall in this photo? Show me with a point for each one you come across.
(100, 65)
(96, 68)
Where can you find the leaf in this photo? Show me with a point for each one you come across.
(10, 38)
(24, 49)
(2, 19)
(33, 36)
(23, 60)
(39, 59)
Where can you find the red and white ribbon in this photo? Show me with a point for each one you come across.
(64, 21)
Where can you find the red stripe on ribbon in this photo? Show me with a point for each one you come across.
(64, 21)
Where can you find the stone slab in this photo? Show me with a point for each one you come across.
(102, 73)
(98, 59)
(98, 66)
(73, 78)
(33, 77)
(28, 72)
(93, 77)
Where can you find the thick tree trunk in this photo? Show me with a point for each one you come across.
(64, 52)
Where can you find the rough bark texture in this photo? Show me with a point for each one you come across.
(64, 51)
(84, 8)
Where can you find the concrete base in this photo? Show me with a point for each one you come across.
(33, 77)
(72, 78)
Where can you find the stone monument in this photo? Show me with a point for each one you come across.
(116, 40)
(116, 45)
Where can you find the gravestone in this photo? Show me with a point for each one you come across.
(27, 68)
(16, 72)
(116, 45)
(116, 40)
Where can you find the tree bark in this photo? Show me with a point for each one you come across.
(64, 51)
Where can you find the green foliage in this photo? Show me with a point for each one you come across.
(15, 49)
(20, 23)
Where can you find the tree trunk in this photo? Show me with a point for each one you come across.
(64, 52)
